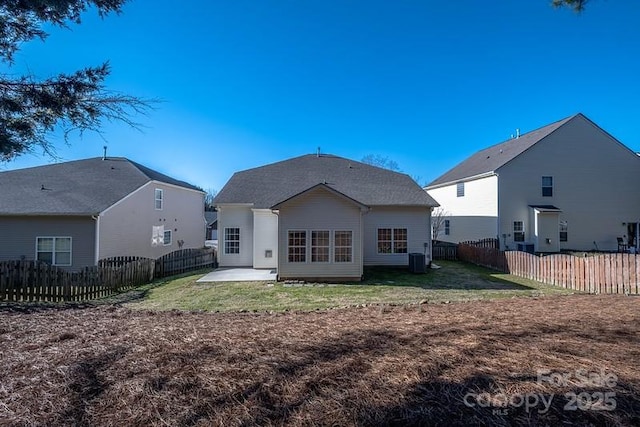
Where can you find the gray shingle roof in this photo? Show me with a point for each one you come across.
(210, 217)
(492, 158)
(81, 187)
(268, 185)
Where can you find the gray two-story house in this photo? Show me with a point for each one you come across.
(567, 185)
(75, 213)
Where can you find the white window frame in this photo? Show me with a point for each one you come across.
(164, 238)
(447, 227)
(393, 249)
(563, 227)
(312, 246)
(157, 199)
(335, 247)
(304, 254)
(227, 241)
(519, 231)
(53, 252)
(460, 189)
(547, 186)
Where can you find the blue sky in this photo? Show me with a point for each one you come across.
(425, 83)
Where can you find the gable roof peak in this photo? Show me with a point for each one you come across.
(489, 159)
(270, 184)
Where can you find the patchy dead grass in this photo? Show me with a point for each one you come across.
(406, 365)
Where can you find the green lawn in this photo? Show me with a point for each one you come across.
(455, 281)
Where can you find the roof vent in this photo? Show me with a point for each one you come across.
(104, 152)
(517, 133)
(318, 152)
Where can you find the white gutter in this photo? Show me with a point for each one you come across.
(465, 179)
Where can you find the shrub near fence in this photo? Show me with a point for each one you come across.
(38, 281)
(607, 273)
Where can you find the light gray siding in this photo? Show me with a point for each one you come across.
(265, 239)
(473, 216)
(595, 181)
(321, 210)
(241, 217)
(417, 221)
(126, 228)
(22, 231)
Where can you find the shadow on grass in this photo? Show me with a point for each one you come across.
(451, 275)
(340, 381)
(136, 294)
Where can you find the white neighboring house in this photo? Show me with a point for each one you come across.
(568, 185)
(322, 216)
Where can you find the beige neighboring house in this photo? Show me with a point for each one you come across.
(568, 185)
(72, 214)
(322, 217)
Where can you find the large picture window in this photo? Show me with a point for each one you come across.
(392, 240)
(320, 246)
(297, 246)
(232, 240)
(54, 250)
(343, 246)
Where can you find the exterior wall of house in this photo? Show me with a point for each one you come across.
(595, 181)
(473, 216)
(265, 239)
(127, 227)
(546, 233)
(415, 219)
(241, 217)
(320, 210)
(22, 232)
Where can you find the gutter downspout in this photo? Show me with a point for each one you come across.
(276, 212)
(96, 218)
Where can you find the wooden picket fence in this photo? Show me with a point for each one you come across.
(38, 281)
(615, 273)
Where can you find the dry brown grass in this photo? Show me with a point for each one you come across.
(368, 366)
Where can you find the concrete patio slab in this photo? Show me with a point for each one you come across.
(239, 275)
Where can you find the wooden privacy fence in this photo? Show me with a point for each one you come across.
(445, 251)
(185, 260)
(488, 243)
(38, 281)
(449, 251)
(606, 273)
